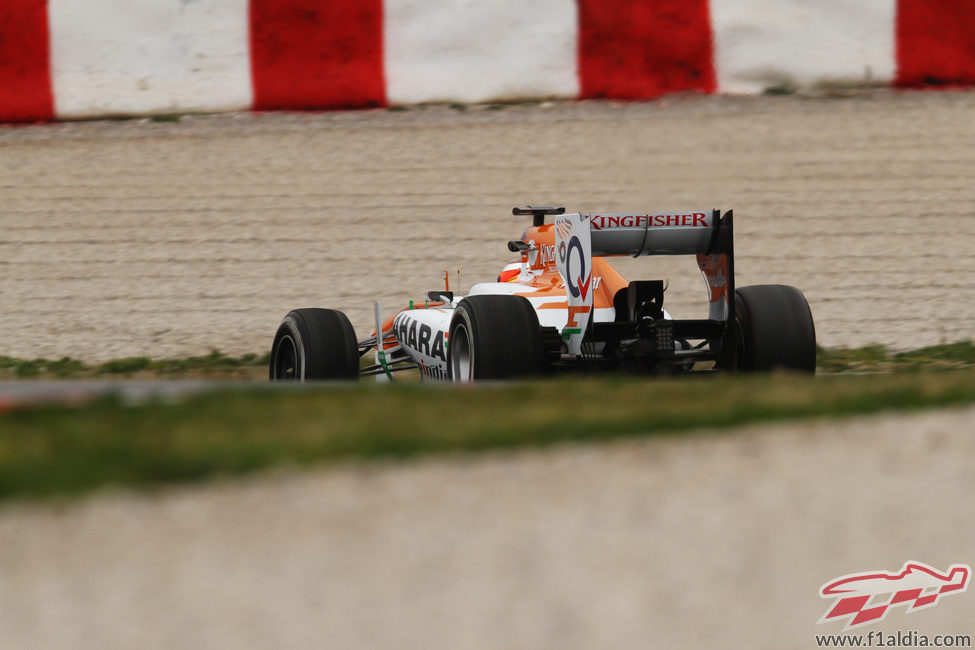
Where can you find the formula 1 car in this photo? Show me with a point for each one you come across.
(561, 306)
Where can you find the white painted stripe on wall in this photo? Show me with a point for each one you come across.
(137, 57)
(480, 50)
(802, 43)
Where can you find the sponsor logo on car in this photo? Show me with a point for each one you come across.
(573, 326)
(577, 284)
(420, 337)
(663, 220)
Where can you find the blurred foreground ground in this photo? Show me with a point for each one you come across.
(171, 239)
(715, 541)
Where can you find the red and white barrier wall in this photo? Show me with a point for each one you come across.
(84, 58)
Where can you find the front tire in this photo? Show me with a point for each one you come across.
(775, 329)
(494, 337)
(313, 344)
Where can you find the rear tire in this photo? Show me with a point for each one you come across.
(314, 344)
(494, 337)
(776, 330)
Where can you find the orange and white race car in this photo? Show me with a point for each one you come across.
(562, 306)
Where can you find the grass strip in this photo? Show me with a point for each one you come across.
(879, 358)
(59, 451)
(217, 365)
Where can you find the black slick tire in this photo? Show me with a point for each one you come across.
(776, 330)
(494, 337)
(313, 344)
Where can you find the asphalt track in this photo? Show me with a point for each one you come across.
(171, 239)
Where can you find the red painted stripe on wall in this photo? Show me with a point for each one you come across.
(935, 42)
(308, 54)
(25, 62)
(641, 49)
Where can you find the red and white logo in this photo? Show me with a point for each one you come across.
(864, 598)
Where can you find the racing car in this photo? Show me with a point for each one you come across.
(560, 306)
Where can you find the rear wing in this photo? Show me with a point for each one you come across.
(662, 233)
(709, 235)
